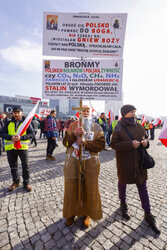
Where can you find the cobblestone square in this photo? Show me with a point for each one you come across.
(34, 220)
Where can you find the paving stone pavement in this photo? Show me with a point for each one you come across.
(34, 220)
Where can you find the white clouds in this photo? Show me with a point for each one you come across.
(145, 56)
(25, 54)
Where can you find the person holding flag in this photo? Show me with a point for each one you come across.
(17, 133)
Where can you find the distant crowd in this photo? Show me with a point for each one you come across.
(61, 125)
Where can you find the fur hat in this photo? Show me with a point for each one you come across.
(126, 109)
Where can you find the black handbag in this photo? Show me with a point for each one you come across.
(146, 161)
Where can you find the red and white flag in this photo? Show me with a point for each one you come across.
(37, 116)
(93, 111)
(119, 115)
(77, 114)
(24, 126)
(156, 122)
(109, 117)
(112, 116)
(143, 121)
(163, 134)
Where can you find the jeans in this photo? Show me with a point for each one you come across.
(34, 139)
(142, 189)
(61, 133)
(12, 156)
(105, 135)
(51, 146)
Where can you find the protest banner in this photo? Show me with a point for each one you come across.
(43, 112)
(84, 34)
(82, 79)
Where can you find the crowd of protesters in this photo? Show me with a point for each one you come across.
(62, 125)
(112, 136)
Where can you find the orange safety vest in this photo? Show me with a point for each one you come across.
(151, 126)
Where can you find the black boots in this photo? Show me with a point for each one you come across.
(124, 210)
(148, 217)
(151, 221)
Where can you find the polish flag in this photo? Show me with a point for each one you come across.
(37, 116)
(112, 116)
(163, 134)
(143, 121)
(24, 126)
(109, 117)
(119, 115)
(77, 115)
(156, 122)
(93, 110)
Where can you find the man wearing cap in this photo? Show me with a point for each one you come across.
(127, 158)
(9, 133)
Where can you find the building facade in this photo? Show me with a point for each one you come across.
(64, 107)
(7, 103)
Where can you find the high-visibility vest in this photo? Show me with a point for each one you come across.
(146, 126)
(9, 145)
(100, 121)
(114, 123)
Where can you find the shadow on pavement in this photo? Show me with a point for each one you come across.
(59, 236)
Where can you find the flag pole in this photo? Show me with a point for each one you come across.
(24, 126)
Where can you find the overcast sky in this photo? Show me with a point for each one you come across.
(145, 53)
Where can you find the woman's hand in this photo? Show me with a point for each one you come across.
(144, 143)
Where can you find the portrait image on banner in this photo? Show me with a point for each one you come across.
(51, 22)
(89, 79)
(84, 35)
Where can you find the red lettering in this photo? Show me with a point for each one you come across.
(72, 35)
(87, 39)
(55, 87)
(107, 31)
(97, 25)
(108, 40)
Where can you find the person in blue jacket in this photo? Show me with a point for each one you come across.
(51, 134)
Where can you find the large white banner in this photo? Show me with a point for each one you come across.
(84, 35)
(87, 79)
